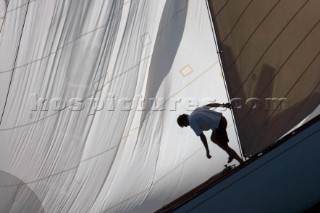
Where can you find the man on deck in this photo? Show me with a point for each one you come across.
(203, 119)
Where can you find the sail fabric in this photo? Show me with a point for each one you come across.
(3, 9)
(270, 55)
(90, 94)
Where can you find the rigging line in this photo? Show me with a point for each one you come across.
(15, 61)
(225, 83)
(256, 169)
(69, 42)
(238, 20)
(121, 74)
(285, 62)
(213, 32)
(267, 49)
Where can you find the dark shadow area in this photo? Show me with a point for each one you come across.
(168, 40)
(16, 196)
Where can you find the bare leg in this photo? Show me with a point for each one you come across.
(231, 153)
(220, 137)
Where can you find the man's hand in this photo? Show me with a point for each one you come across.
(228, 105)
(208, 155)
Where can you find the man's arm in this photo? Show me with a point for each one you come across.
(227, 105)
(204, 141)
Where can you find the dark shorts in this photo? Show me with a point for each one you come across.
(220, 136)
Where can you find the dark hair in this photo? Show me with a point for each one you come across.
(182, 118)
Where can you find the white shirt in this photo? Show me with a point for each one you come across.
(203, 119)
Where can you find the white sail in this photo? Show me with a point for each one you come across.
(75, 134)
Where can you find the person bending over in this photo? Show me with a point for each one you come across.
(203, 119)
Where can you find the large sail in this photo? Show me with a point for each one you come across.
(270, 55)
(90, 91)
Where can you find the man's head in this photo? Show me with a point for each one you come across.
(183, 120)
